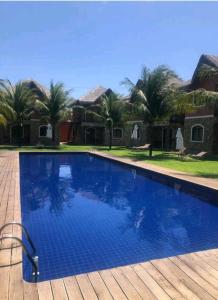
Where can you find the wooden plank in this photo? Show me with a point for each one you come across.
(137, 282)
(162, 281)
(180, 280)
(151, 283)
(210, 260)
(58, 290)
(30, 291)
(5, 257)
(16, 288)
(200, 269)
(206, 266)
(99, 286)
(72, 288)
(44, 290)
(212, 253)
(193, 275)
(125, 284)
(16, 283)
(86, 287)
(112, 285)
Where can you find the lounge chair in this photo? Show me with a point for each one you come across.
(143, 147)
(200, 155)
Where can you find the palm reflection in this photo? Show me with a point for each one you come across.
(55, 181)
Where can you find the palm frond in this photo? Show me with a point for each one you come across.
(152, 91)
(128, 83)
(3, 120)
(208, 72)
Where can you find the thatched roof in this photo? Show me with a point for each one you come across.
(94, 94)
(205, 59)
(36, 87)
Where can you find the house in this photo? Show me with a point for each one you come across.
(87, 129)
(201, 126)
(34, 130)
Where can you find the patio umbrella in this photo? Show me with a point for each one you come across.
(134, 135)
(179, 140)
(49, 131)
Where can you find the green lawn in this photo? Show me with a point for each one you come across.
(207, 167)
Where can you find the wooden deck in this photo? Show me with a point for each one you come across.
(190, 276)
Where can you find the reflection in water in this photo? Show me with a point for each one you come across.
(87, 213)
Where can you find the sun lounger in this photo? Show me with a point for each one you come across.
(143, 147)
(200, 155)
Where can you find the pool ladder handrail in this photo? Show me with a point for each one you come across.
(33, 259)
(23, 230)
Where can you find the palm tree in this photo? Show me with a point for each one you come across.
(109, 111)
(207, 71)
(16, 104)
(152, 94)
(54, 106)
(186, 102)
(6, 113)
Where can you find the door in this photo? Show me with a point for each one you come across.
(215, 138)
(90, 136)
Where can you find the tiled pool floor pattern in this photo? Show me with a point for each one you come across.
(86, 213)
(189, 276)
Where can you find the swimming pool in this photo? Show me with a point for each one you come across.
(86, 213)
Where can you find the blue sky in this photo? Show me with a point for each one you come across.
(85, 44)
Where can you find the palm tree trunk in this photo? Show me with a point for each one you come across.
(110, 137)
(53, 133)
(19, 135)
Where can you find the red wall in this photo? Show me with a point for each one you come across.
(64, 130)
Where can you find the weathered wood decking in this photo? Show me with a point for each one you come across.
(190, 276)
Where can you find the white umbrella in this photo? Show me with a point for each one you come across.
(49, 131)
(134, 135)
(179, 140)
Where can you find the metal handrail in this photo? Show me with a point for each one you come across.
(23, 230)
(33, 260)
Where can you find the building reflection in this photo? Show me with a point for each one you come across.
(155, 213)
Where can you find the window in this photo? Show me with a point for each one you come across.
(197, 133)
(117, 133)
(43, 131)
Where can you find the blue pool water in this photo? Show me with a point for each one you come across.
(86, 213)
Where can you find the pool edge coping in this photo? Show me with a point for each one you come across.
(184, 177)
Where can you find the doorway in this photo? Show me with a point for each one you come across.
(215, 139)
(90, 136)
(24, 132)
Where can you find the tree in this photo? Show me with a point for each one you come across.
(16, 104)
(110, 111)
(6, 113)
(207, 71)
(152, 94)
(186, 102)
(54, 106)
